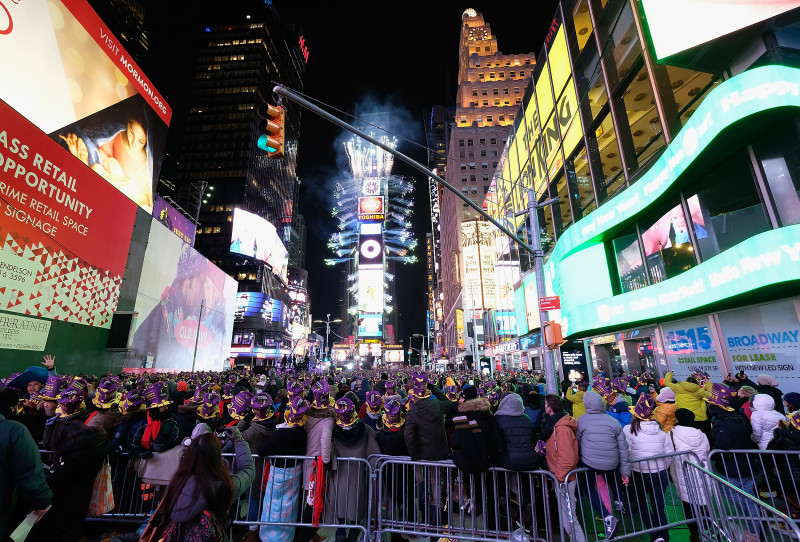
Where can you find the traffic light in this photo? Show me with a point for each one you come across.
(271, 125)
(552, 334)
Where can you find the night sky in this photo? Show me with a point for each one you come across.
(363, 56)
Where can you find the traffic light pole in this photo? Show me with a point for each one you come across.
(289, 94)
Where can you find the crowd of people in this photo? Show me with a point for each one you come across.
(617, 428)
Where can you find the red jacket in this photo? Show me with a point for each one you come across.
(562, 448)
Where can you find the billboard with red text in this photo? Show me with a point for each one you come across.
(64, 231)
(65, 72)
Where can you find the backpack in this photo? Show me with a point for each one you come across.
(470, 453)
(204, 528)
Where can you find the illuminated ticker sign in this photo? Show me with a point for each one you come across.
(371, 208)
(304, 48)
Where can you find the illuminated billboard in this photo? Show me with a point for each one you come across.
(66, 73)
(185, 307)
(370, 289)
(370, 249)
(370, 325)
(254, 309)
(174, 220)
(65, 231)
(701, 21)
(460, 328)
(256, 237)
(371, 208)
(480, 285)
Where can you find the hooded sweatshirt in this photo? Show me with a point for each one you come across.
(562, 448)
(765, 419)
(517, 451)
(689, 439)
(689, 395)
(603, 445)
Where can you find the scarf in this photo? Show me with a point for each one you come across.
(92, 415)
(151, 431)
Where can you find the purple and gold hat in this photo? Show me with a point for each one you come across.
(10, 378)
(451, 392)
(602, 385)
(141, 382)
(261, 406)
(645, 407)
(620, 384)
(297, 412)
(390, 387)
(493, 396)
(199, 391)
(322, 395)
(52, 388)
(346, 414)
(70, 402)
(227, 391)
(239, 405)
(794, 419)
(393, 415)
(481, 392)
(721, 396)
(419, 385)
(157, 395)
(295, 389)
(107, 393)
(374, 402)
(132, 402)
(209, 409)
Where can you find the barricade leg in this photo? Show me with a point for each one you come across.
(653, 487)
(570, 522)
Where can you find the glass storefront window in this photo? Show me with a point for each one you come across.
(667, 247)
(690, 347)
(591, 84)
(581, 184)
(689, 89)
(625, 42)
(643, 118)
(728, 210)
(778, 151)
(612, 176)
(629, 262)
(561, 210)
(583, 22)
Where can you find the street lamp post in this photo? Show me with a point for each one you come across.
(423, 351)
(327, 323)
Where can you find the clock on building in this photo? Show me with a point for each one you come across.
(478, 33)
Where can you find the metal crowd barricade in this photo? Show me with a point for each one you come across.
(775, 475)
(649, 504)
(436, 499)
(729, 512)
(277, 501)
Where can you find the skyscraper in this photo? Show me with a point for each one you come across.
(491, 86)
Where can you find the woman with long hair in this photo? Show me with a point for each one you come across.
(199, 496)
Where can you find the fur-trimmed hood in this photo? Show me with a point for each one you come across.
(478, 404)
(321, 413)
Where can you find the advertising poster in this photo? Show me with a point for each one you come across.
(370, 325)
(23, 333)
(690, 347)
(370, 289)
(64, 232)
(76, 83)
(186, 307)
(765, 339)
(174, 220)
(256, 237)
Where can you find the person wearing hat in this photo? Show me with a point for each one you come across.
(605, 451)
(689, 394)
(282, 491)
(665, 409)
(29, 384)
(371, 410)
(345, 494)
(133, 416)
(210, 410)
(186, 414)
(517, 451)
(685, 437)
(768, 384)
(161, 431)
(106, 400)
(786, 438)
(617, 405)
(391, 441)
(575, 396)
(730, 430)
(646, 439)
(239, 408)
(792, 402)
(425, 434)
(48, 402)
(744, 400)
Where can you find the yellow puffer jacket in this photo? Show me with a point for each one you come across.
(576, 398)
(689, 395)
(665, 415)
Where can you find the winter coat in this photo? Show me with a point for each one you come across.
(665, 415)
(747, 409)
(764, 420)
(562, 448)
(731, 431)
(776, 394)
(167, 436)
(346, 489)
(104, 420)
(478, 410)
(517, 451)
(535, 414)
(689, 395)
(75, 466)
(371, 420)
(576, 398)
(20, 472)
(319, 428)
(126, 430)
(603, 445)
(186, 418)
(648, 442)
(425, 435)
(689, 439)
(619, 410)
(255, 433)
(284, 440)
(191, 502)
(392, 441)
(785, 439)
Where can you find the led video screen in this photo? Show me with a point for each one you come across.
(371, 208)
(64, 232)
(370, 325)
(186, 307)
(370, 289)
(256, 237)
(174, 220)
(370, 249)
(66, 73)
